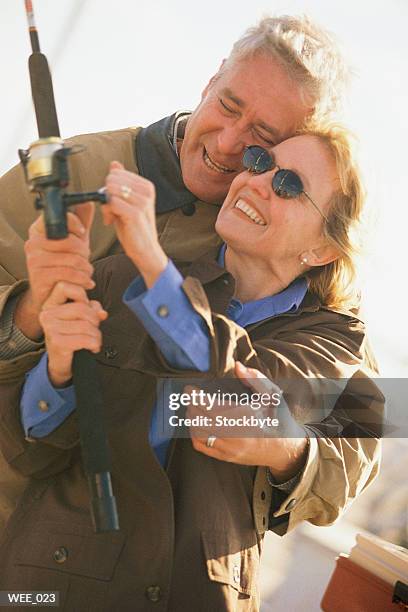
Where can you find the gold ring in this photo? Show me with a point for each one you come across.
(126, 191)
(211, 441)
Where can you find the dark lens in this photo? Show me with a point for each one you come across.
(257, 159)
(287, 184)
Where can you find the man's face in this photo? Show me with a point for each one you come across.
(252, 102)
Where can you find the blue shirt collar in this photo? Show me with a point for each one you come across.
(287, 300)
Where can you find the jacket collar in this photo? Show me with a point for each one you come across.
(217, 282)
(157, 161)
(219, 285)
(209, 272)
(206, 267)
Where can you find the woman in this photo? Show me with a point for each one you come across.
(193, 514)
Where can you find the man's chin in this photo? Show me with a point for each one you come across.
(209, 197)
(201, 190)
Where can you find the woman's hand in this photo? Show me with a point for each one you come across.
(69, 327)
(131, 208)
(285, 456)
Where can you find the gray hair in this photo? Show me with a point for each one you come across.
(308, 52)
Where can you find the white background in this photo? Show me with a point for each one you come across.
(125, 63)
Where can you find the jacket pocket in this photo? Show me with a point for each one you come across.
(230, 562)
(73, 550)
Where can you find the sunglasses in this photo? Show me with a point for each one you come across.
(285, 183)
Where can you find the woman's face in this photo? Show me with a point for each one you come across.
(283, 229)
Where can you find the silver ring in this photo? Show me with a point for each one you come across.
(211, 441)
(126, 191)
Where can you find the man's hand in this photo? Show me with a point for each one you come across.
(51, 261)
(131, 208)
(285, 456)
(69, 327)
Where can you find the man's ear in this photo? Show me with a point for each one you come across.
(320, 256)
(212, 80)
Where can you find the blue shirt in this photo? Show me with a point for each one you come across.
(287, 300)
(181, 336)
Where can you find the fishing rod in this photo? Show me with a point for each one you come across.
(46, 161)
(46, 170)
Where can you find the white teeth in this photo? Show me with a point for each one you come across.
(215, 166)
(249, 212)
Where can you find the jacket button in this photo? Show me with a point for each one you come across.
(163, 311)
(110, 352)
(188, 209)
(43, 405)
(61, 555)
(153, 593)
(290, 505)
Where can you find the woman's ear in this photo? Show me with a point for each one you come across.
(320, 256)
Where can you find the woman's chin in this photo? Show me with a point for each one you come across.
(242, 237)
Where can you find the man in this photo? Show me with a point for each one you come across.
(278, 75)
(257, 98)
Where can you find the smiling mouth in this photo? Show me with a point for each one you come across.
(210, 163)
(249, 212)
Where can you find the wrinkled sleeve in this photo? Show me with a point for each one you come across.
(43, 408)
(337, 468)
(168, 317)
(29, 457)
(17, 213)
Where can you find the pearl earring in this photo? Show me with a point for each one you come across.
(303, 261)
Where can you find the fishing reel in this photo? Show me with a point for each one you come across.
(46, 171)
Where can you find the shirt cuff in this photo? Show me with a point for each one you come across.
(43, 407)
(168, 316)
(13, 342)
(286, 486)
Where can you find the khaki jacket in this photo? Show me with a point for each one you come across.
(191, 536)
(183, 236)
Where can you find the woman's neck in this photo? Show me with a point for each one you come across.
(255, 278)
